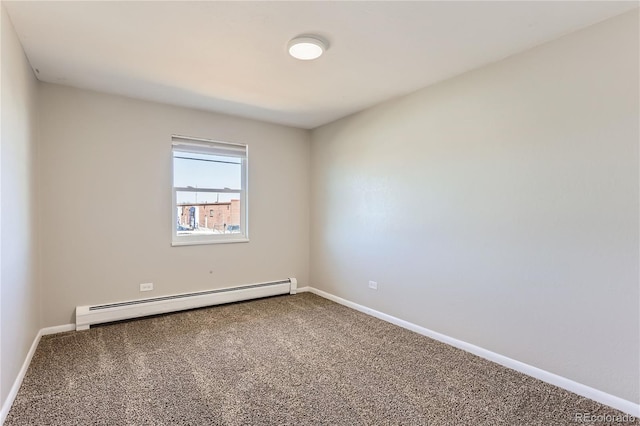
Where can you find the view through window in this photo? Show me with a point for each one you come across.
(209, 191)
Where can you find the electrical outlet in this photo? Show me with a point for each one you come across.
(146, 287)
(373, 285)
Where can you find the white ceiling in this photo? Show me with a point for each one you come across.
(231, 56)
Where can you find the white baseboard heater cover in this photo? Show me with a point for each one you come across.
(97, 314)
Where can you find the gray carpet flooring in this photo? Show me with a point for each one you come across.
(290, 360)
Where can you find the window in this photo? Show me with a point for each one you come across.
(209, 177)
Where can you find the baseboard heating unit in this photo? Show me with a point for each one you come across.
(109, 312)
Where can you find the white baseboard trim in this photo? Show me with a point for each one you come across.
(6, 406)
(57, 329)
(546, 376)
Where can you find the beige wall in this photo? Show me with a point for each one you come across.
(499, 207)
(108, 158)
(20, 296)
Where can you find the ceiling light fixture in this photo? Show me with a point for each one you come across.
(307, 47)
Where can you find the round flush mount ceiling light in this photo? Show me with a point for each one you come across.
(307, 47)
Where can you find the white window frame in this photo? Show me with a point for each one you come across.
(208, 146)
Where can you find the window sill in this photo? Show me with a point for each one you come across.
(205, 242)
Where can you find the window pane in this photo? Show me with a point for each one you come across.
(209, 193)
(207, 213)
(206, 171)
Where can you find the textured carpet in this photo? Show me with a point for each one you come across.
(290, 360)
